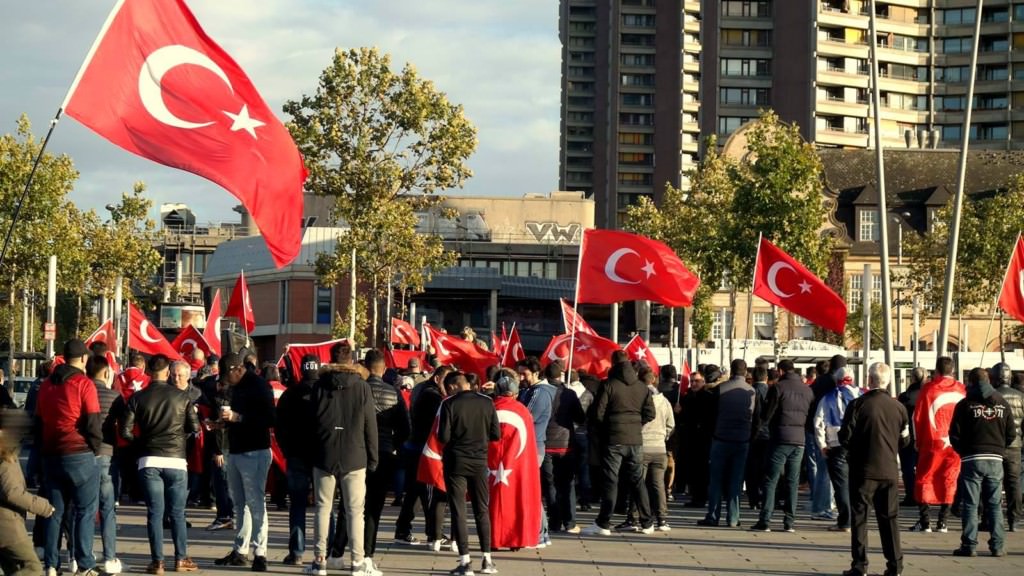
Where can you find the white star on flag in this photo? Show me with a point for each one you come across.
(500, 475)
(805, 287)
(648, 268)
(242, 121)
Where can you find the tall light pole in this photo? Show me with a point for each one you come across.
(898, 220)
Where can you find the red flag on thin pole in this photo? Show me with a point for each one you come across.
(779, 279)
(404, 333)
(513, 351)
(156, 85)
(1011, 297)
(105, 334)
(570, 317)
(212, 331)
(145, 338)
(240, 305)
(639, 351)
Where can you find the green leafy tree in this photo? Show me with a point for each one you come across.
(381, 144)
(855, 327)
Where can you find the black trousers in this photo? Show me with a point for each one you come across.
(377, 483)
(475, 483)
(415, 491)
(1011, 484)
(757, 467)
(883, 495)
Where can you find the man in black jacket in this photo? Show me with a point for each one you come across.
(558, 468)
(787, 406)
(392, 430)
(737, 417)
(622, 407)
(981, 430)
(98, 368)
(1001, 377)
(297, 439)
(165, 418)
(346, 429)
(248, 420)
(874, 429)
(467, 424)
(908, 455)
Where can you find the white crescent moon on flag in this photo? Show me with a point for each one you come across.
(613, 261)
(773, 272)
(1020, 282)
(160, 62)
(516, 421)
(144, 332)
(188, 341)
(940, 401)
(440, 347)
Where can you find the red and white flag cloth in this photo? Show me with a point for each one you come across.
(467, 356)
(515, 484)
(105, 334)
(399, 359)
(156, 85)
(513, 351)
(591, 353)
(403, 332)
(241, 305)
(1011, 297)
(430, 469)
(145, 338)
(618, 266)
(188, 340)
(781, 280)
(938, 465)
(570, 317)
(639, 351)
(295, 352)
(212, 330)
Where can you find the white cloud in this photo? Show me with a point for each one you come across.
(499, 59)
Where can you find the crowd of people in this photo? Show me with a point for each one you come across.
(345, 434)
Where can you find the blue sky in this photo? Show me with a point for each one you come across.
(497, 58)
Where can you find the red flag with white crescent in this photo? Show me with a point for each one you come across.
(639, 351)
(145, 338)
(105, 334)
(591, 353)
(513, 352)
(1011, 296)
(240, 305)
(938, 465)
(515, 484)
(188, 340)
(212, 330)
(781, 280)
(466, 355)
(399, 359)
(431, 469)
(570, 317)
(403, 332)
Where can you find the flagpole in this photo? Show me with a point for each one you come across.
(988, 331)
(575, 306)
(750, 300)
(504, 353)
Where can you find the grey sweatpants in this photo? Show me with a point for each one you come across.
(353, 498)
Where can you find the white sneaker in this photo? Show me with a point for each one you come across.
(648, 530)
(664, 527)
(595, 530)
(112, 566)
(73, 566)
(337, 563)
(366, 568)
(50, 572)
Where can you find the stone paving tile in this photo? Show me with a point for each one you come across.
(687, 549)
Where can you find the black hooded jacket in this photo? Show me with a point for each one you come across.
(982, 426)
(295, 411)
(346, 421)
(392, 417)
(253, 399)
(622, 407)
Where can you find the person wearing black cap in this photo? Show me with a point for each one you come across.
(1001, 377)
(69, 430)
(297, 439)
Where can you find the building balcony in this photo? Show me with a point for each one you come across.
(903, 85)
(832, 107)
(691, 25)
(832, 16)
(841, 138)
(691, 106)
(835, 47)
(837, 77)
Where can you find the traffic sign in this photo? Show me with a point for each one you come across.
(49, 331)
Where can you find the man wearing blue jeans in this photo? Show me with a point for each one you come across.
(249, 420)
(98, 369)
(69, 427)
(165, 418)
(981, 431)
(297, 440)
(787, 405)
(737, 413)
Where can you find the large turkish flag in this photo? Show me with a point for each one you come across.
(938, 465)
(618, 266)
(159, 87)
(1011, 297)
(515, 484)
(188, 340)
(781, 280)
(403, 332)
(466, 355)
(590, 353)
(145, 338)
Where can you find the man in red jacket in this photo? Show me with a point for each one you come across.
(69, 431)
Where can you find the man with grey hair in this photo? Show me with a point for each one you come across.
(874, 429)
(908, 455)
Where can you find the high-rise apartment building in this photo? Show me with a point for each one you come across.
(630, 77)
(633, 70)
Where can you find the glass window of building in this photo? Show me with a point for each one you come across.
(868, 225)
(323, 305)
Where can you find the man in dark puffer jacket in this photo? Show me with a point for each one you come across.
(622, 407)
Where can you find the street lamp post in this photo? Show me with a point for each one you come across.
(898, 220)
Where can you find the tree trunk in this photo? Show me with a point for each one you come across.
(78, 315)
(376, 320)
(732, 331)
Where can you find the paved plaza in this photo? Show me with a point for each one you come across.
(687, 549)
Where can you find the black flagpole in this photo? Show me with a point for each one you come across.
(28, 184)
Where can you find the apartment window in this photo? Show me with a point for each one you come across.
(638, 39)
(635, 119)
(645, 100)
(959, 16)
(718, 331)
(635, 179)
(580, 131)
(749, 38)
(995, 15)
(584, 11)
(581, 101)
(323, 305)
(578, 160)
(952, 74)
(580, 116)
(729, 124)
(582, 26)
(636, 138)
(624, 201)
(905, 101)
(868, 225)
(638, 20)
(581, 41)
(952, 133)
(638, 79)
(994, 44)
(645, 3)
(746, 9)
(960, 45)
(1018, 12)
(991, 102)
(763, 325)
(577, 177)
(580, 71)
(637, 59)
(580, 87)
(990, 73)
(582, 57)
(857, 291)
(636, 158)
(744, 96)
(949, 103)
(990, 132)
(745, 67)
(584, 146)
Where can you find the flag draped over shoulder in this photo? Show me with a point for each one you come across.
(513, 478)
(938, 465)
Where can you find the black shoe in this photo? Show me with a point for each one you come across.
(707, 522)
(695, 504)
(890, 573)
(628, 527)
(908, 502)
(760, 527)
(1012, 526)
(292, 560)
(259, 564)
(462, 570)
(398, 501)
(966, 552)
(853, 572)
(232, 559)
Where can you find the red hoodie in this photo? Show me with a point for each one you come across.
(68, 411)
